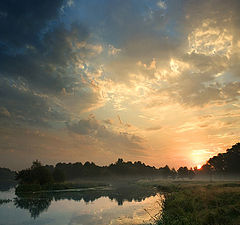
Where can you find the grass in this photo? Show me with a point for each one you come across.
(195, 203)
(25, 188)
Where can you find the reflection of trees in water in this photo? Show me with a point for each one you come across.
(119, 195)
(6, 186)
(40, 202)
(34, 205)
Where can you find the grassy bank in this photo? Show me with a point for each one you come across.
(24, 188)
(189, 203)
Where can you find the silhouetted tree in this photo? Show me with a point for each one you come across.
(225, 164)
(165, 171)
(182, 172)
(173, 173)
(58, 175)
(191, 174)
(37, 174)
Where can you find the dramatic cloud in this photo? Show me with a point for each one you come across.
(21, 22)
(161, 77)
(39, 77)
(47, 66)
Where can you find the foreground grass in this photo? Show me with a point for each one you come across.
(201, 204)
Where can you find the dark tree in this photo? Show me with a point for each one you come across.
(173, 173)
(165, 171)
(37, 174)
(224, 164)
(58, 175)
(191, 174)
(182, 172)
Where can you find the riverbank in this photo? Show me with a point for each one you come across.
(29, 188)
(185, 202)
(200, 203)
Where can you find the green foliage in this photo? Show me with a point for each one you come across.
(168, 188)
(201, 205)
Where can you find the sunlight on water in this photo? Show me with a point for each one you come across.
(62, 210)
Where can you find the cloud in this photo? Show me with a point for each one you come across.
(162, 5)
(20, 146)
(45, 74)
(19, 104)
(116, 140)
(167, 61)
(202, 52)
(155, 128)
(26, 19)
(46, 66)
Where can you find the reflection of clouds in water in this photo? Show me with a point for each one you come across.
(72, 209)
(130, 213)
(85, 219)
(44, 221)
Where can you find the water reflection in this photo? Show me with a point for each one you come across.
(39, 202)
(34, 205)
(6, 186)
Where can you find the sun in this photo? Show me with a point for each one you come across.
(199, 167)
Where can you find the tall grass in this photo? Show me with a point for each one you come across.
(201, 205)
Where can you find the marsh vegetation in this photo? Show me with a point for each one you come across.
(200, 203)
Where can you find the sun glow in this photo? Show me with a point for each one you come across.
(199, 157)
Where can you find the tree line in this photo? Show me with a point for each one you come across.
(39, 174)
(224, 165)
(221, 166)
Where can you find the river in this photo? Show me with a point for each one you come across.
(77, 207)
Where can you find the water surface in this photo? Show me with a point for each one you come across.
(93, 207)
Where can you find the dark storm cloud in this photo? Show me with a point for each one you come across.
(38, 56)
(23, 63)
(46, 66)
(21, 25)
(21, 21)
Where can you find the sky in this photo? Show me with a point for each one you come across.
(150, 80)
